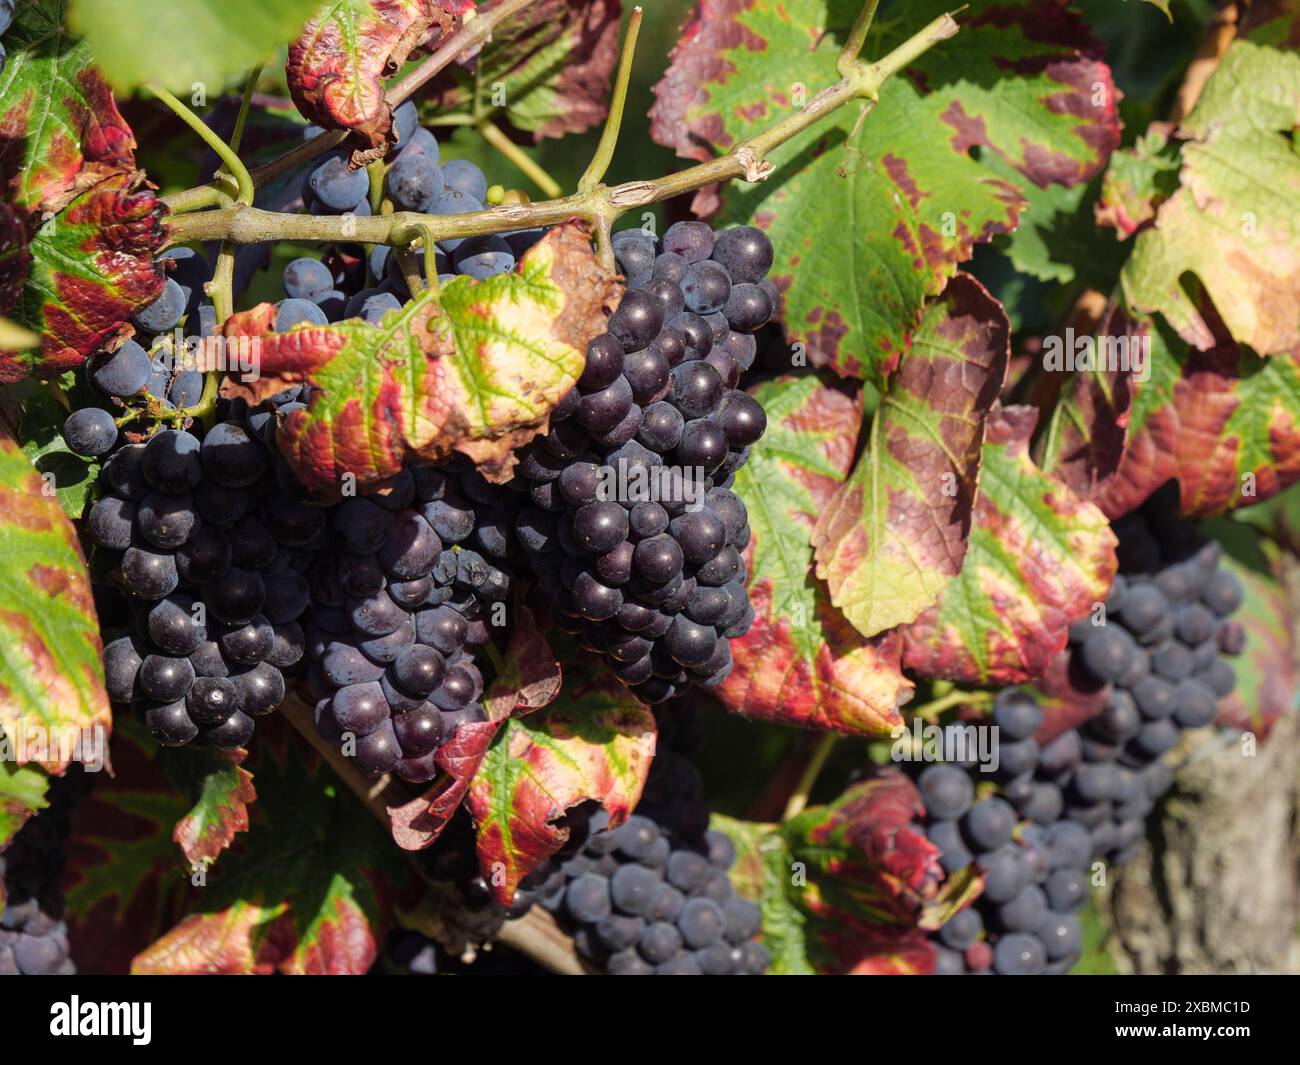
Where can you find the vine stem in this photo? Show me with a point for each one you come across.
(599, 206)
(231, 161)
(604, 153)
(799, 797)
(857, 38)
(491, 132)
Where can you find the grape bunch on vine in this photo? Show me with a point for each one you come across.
(728, 488)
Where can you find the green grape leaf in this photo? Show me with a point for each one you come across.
(802, 663)
(475, 369)
(894, 534)
(52, 698)
(220, 790)
(1266, 669)
(22, 794)
(1039, 557)
(205, 44)
(1225, 423)
(1137, 181)
(595, 741)
(40, 419)
(849, 887)
(548, 68)
(336, 67)
(79, 228)
(1046, 243)
(528, 681)
(1234, 221)
(309, 890)
(762, 873)
(867, 222)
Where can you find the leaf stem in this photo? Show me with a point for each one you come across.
(232, 162)
(856, 39)
(222, 286)
(604, 155)
(799, 797)
(956, 697)
(375, 171)
(236, 138)
(491, 133)
(207, 399)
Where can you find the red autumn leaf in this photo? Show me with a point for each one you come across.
(310, 888)
(337, 66)
(1039, 557)
(60, 130)
(1083, 444)
(222, 790)
(551, 63)
(595, 742)
(802, 663)
(894, 534)
(476, 369)
(79, 227)
(529, 681)
(1223, 422)
(52, 698)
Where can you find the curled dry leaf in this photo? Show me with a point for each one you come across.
(551, 62)
(1224, 422)
(337, 67)
(1084, 442)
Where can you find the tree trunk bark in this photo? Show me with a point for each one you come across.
(1217, 888)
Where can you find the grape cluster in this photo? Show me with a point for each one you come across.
(350, 282)
(652, 897)
(1156, 655)
(633, 528)
(211, 537)
(397, 608)
(33, 935)
(150, 366)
